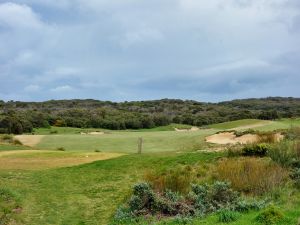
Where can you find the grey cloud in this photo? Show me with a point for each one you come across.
(133, 49)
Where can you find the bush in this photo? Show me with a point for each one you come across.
(256, 150)
(271, 215)
(202, 200)
(296, 177)
(17, 142)
(61, 149)
(53, 132)
(246, 206)
(227, 216)
(7, 138)
(251, 175)
(211, 198)
(143, 197)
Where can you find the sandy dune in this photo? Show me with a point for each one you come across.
(230, 138)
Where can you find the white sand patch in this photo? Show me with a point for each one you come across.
(29, 140)
(185, 130)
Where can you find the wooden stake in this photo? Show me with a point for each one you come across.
(140, 145)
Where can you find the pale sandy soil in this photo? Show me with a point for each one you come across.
(184, 130)
(93, 133)
(30, 140)
(40, 159)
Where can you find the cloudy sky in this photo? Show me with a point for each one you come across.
(149, 49)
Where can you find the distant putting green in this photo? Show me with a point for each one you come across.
(160, 141)
(263, 125)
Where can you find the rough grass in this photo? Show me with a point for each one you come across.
(86, 194)
(251, 175)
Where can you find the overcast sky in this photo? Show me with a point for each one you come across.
(149, 49)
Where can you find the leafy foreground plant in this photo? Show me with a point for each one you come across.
(269, 216)
(201, 201)
(9, 206)
(227, 216)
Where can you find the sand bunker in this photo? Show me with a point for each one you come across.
(92, 133)
(29, 140)
(184, 130)
(230, 138)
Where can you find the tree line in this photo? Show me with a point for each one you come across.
(22, 117)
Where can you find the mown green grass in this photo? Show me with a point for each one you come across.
(236, 123)
(262, 125)
(280, 124)
(86, 194)
(9, 147)
(126, 142)
(73, 130)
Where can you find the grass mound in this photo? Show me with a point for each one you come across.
(270, 215)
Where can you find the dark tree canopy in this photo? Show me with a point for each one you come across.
(17, 117)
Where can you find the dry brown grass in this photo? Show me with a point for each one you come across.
(251, 175)
(269, 137)
(178, 179)
(38, 160)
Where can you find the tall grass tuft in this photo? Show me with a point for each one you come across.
(285, 153)
(177, 179)
(251, 175)
(267, 137)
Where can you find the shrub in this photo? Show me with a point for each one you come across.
(296, 177)
(227, 216)
(61, 149)
(210, 198)
(17, 142)
(246, 206)
(202, 200)
(271, 215)
(241, 133)
(251, 175)
(256, 150)
(7, 138)
(143, 197)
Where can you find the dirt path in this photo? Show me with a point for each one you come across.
(41, 159)
(30, 140)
